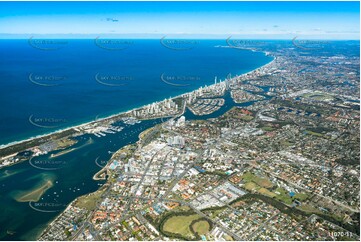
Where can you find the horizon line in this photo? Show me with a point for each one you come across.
(173, 36)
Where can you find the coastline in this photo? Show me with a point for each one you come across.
(104, 169)
(110, 118)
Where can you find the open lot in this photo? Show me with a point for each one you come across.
(180, 224)
(262, 182)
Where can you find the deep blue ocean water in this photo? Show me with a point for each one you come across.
(46, 90)
(67, 82)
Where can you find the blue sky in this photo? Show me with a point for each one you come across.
(263, 20)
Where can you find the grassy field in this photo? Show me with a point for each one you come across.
(201, 227)
(63, 143)
(319, 96)
(266, 192)
(228, 238)
(250, 186)
(309, 209)
(180, 225)
(89, 201)
(247, 118)
(262, 182)
(263, 185)
(301, 196)
(283, 196)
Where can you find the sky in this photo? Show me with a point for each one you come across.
(259, 20)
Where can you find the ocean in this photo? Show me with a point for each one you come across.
(50, 86)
